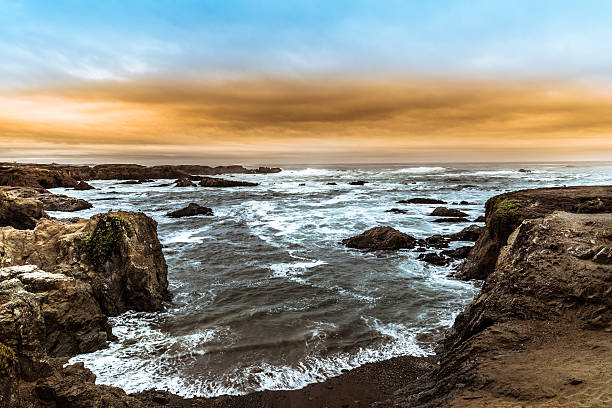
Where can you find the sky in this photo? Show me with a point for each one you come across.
(268, 82)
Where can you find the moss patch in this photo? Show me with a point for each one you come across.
(505, 217)
(105, 238)
(7, 360)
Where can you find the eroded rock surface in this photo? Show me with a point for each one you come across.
(19, 213)
(51, 201)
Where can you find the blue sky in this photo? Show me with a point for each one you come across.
(56, 41)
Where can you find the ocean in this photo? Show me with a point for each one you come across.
(266, 296)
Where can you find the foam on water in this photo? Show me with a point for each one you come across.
(266, 297)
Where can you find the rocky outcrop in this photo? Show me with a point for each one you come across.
(381, 238)
(118, 254)
(58, 284)
(51, 202)
(538, 333)
(421, 200)
(36, 177)
(218, 182)
(504, 213)
(19, 213)
(447, 212)
(190, 211)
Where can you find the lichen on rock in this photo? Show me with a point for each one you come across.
(104, 239)
(7, 360)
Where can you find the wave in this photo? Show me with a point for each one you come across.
(419, 170)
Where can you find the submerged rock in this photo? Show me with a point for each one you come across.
(421, 200)
(218, 182)
(357, 183)
(447, 212)
(381, 238)
(397, 211)
(451, 219)
(191, 210)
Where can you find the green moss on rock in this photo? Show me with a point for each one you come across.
(7, 360)
(105, 238)
(505, 217)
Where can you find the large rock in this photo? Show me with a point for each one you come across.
(471, 234)
(381, 238)
(505, 212)
(538, 333)
(447, 212)
(19, 213)
(191, 210)
(218, 182)
(51, 202)
(118, 254)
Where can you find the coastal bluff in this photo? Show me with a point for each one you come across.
(58, 285)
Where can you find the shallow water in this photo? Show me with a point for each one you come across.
(264, 295)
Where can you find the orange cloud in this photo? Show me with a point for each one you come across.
(314, 118)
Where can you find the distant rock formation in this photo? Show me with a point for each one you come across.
(421, 200)
(218, 182)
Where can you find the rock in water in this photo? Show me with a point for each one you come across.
(421, 200)
(219, 182)
(191, 210)
(434, 259)
(83, 186)
(357, 183)
(184, 182)
(447, 212)
(451, 219)
(19, 213)
(471, 234)
(381, 238)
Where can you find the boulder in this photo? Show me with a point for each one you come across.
(191, 210)
(218, 182)
(421, 200)
(434, 259)
(447, 212)
(19, 213)
(381, 238)
(471, 234)
(505, 212)
(184, 182)
(83, 186)
(51, 202)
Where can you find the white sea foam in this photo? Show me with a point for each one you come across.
(420, 170)
(284, 270)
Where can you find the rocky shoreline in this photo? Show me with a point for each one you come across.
(538, 334)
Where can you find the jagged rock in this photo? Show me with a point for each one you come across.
(397, 211)
(191, 210)
(451, 219)
(218, 182)
(447, 212)
(421, 200)
(505, 212)
(471, 234)
(381, 238)
(122, 258)
(19, 213)
(51, 202)
(83, 186)
(184, 182)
